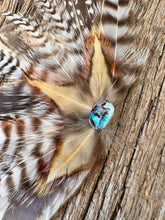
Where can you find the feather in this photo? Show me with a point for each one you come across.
(75, 153)
(61, 66)
(66, 97)
(100, 79)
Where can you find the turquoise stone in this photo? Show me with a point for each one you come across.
(101, 114)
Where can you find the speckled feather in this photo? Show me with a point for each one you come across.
(58, 60)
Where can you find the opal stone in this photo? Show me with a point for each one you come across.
(101, 114)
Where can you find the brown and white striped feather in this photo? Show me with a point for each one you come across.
(57, 60)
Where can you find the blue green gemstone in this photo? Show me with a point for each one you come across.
(101, 114)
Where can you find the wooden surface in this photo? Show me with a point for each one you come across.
(130, 184)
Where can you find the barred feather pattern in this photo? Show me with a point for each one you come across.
(57, 60)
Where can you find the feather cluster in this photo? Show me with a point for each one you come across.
(58, 59)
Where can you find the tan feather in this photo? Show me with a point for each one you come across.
(74, 153)
(100, 80)
(67, 97)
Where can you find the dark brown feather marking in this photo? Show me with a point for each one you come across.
(21, 128)
(7, 132)
(111, 5)
(123, 3)
(36, 123)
